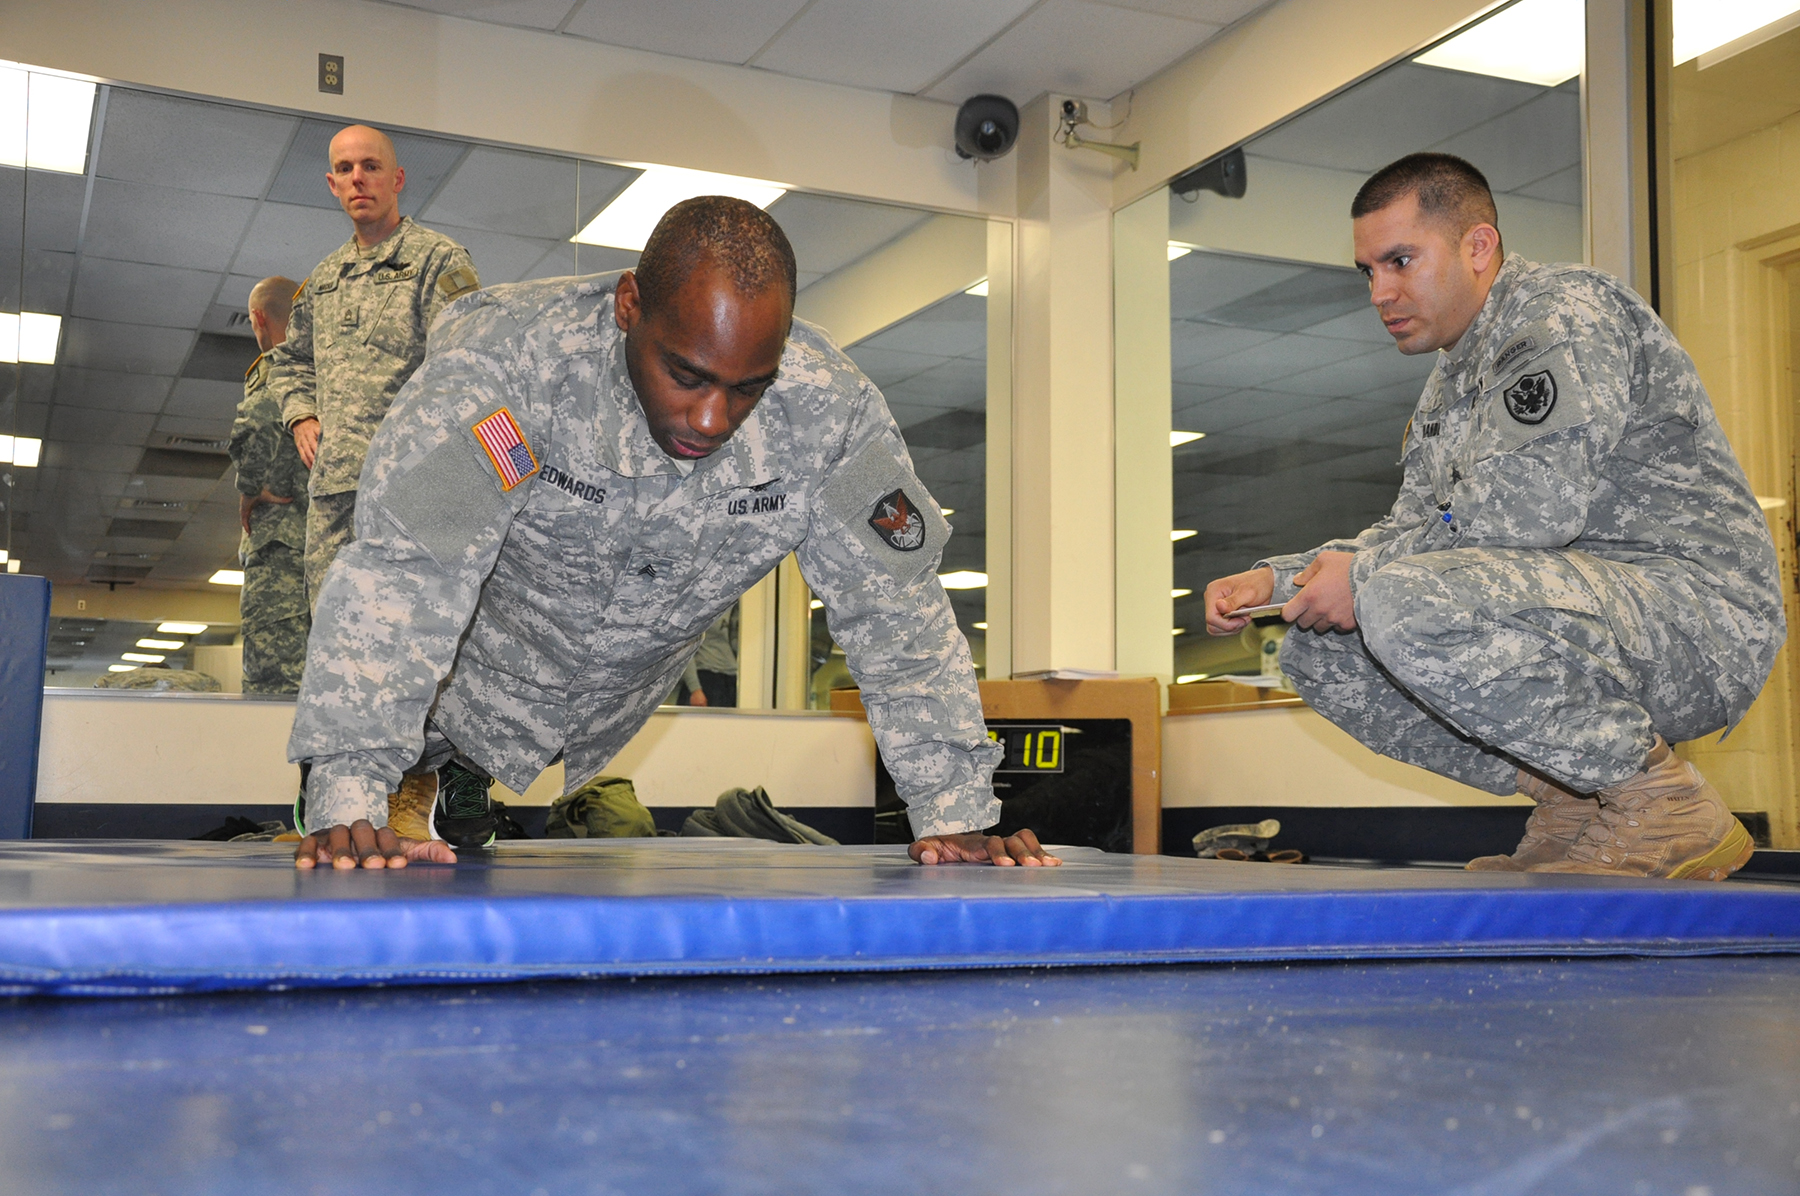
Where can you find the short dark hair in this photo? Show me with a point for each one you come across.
(731, 234)
(1448, 187)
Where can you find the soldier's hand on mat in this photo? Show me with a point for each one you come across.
(1324, 602)
(360, 844)
(249, 502)
(306, 439)
(977, 848)
(1236, 592)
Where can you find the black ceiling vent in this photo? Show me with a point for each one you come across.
(1223, 174)
(201, 444)
(180, 463)
(220, 358)
(154, 504)
(146, 529)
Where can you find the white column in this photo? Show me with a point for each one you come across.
(999, 450)
(756, 646)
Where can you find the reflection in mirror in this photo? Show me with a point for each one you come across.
(147, 242)
(1280, 365)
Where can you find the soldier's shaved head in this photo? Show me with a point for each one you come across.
(274, 297)
(367, 178)
(357, 140)
(736, 237)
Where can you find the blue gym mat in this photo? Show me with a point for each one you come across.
(106, 918)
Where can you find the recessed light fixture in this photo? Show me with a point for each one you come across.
(1534, 41)
(227, 577)
(1190, 678)
(121, 668)
(979, 290)
(1177, 439)
(1179, 251)
(181, 628)
(1178, 592)
(1703, 27)
(979, 626)
(1182, 533)
(963, 579)
(30, 338)
(815, 604)
(44, 119)
(20, 450)
(1180, 631)
(165, 645)
(143, 657)
(12, 566)
(627, 221)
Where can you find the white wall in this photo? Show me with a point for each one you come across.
(126, 747)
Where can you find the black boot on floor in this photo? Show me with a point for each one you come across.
(463, 814)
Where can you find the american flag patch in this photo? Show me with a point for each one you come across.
(506, 448)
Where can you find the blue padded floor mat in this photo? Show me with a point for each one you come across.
(130, 917)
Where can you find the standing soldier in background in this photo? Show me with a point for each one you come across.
(358, 333)
(271, 481)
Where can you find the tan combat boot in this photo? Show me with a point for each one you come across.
(1550, 831)
(1666, 821)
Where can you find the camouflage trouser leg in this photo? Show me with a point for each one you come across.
(330, 524)
(276, 620)
(1473, 661)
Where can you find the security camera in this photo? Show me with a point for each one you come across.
(986, 127)
(1074, 112)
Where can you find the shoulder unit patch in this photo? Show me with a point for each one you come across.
(1532, 398)
(512, 458)
(458, 282)
(898, 522)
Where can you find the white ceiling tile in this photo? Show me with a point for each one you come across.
(828, 234)
(525, 194)
(93, 425)
(137, 348)
(183, 425)
(53, 215)
(531, 14)
(200, 146)
(47, 277)
(1538, 138)
(290, 240)
(134, 293)
(202, 398)
(1215, 12)
(895, 47)
(1565, 186)
(686, 28)
(1077, 47)
(111, 388)
(497, 256)
(164, 225)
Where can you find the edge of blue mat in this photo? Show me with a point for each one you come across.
(150, 950)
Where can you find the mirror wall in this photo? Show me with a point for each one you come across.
(142, 220)
(1288, 396)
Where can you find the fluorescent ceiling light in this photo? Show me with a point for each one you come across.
(1180, 631)
(815, 604)
(1178, 251)
(44, 120)
(227, 577)
(963, 579)
(979, 626)
(1177, 592)
(627, 221)
(979, 290)
(181, 628)
(1703, 27)
(946, 510)
(143, 657)
(1534, 41)
(1177, 439)
(23, 451)
(166, 645)
(1182, 533)
(121, 668)
(4, 557)
(30, 338)
(12, 566)
(1189, 678)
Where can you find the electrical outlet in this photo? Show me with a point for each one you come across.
(331, 74)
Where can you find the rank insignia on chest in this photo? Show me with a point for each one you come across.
(1531, 399)
(898, 522)
(513, 459)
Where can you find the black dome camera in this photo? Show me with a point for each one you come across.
(986, 127)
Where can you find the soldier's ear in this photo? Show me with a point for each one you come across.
(628, 305)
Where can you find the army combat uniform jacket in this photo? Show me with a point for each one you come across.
(532, 571)
(356, 335)
(263, 450)
(1568, 418)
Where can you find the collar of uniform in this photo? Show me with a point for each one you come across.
(755, 454)
(1467, 350)
(384, 251)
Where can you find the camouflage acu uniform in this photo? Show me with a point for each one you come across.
(273, 602)
(356, 335)
(531, 572)
(1575, 562)
(162, 681)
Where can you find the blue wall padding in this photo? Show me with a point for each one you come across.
(24, 638)
(118, 918)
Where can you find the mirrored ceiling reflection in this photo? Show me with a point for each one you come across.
(149, 256)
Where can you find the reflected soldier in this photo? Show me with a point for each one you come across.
(271, 481)
(358, 333)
